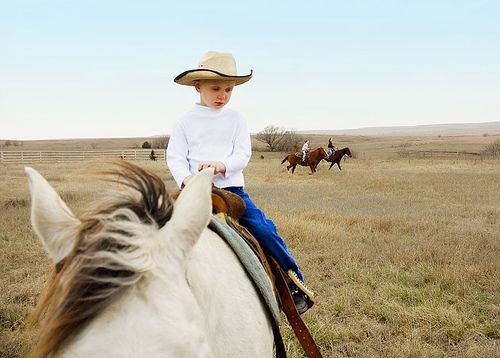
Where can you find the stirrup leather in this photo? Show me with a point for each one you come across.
(296, 280)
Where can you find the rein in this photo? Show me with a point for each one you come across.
(288, 306)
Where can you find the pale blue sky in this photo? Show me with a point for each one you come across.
(72, 69)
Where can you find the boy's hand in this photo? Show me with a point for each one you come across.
(219, 167)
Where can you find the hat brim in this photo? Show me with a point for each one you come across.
(187, 78)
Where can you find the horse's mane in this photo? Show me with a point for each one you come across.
(109, 256)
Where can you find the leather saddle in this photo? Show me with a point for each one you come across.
(231, 207)
(224, 203)
(299, 156)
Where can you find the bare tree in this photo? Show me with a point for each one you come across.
(272, 136)
(159, 142)
(291, 142)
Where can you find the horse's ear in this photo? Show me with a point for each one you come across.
(192, 210)
(52, 220)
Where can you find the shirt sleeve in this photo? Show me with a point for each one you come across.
(177, 153)
(242, 150)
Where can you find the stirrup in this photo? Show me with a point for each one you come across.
(297, 281)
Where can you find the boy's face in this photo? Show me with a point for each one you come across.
(215, 93)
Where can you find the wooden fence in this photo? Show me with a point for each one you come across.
(438, 154)
(27, 156)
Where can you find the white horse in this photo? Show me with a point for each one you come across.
(143, 277)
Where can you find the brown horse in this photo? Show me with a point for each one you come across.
(337, 157)
(315, 156)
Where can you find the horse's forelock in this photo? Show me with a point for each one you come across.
(154, 203)
(110, 255)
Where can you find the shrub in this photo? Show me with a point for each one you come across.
(492, 150)
(404, 152)
(292, 142)
(159, 142)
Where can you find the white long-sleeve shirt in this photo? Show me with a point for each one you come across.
(205, 134)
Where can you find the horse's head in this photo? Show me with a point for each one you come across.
(322, 153)
(132, 239)
(348, 152)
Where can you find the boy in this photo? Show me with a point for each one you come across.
(211, 135)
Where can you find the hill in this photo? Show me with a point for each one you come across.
(490, 128)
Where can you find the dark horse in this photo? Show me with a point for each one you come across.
(337, 157)
(315, 156)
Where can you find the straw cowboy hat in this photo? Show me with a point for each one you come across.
(213, 66)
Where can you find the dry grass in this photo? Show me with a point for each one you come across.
(403, 253)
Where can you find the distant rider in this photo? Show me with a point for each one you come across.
(331, 148)
(305, 150)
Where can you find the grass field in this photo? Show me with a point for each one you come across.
(403, 253)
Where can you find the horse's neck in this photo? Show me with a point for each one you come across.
(214, 272)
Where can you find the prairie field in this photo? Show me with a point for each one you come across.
(402, 252)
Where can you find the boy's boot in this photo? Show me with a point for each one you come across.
(302, 296)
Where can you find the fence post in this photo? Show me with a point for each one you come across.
(1, 156)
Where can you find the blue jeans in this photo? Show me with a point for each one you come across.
(264, 230)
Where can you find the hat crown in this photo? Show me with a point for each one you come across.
(219, 62)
